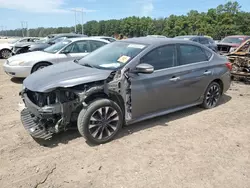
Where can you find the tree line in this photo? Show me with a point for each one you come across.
(227, 19)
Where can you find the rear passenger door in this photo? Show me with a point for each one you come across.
(194, 73)
(94, 44)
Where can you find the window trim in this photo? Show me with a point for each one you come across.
(175, 53)
(179, 55)
(90, 45)
(74, 43)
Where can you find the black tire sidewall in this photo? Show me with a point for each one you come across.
(85, 115)
(35, 67)
(204, 104)
(3, 51)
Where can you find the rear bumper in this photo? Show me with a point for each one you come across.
(226, 79)
(17, 71)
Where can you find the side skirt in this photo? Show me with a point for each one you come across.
(161, 113)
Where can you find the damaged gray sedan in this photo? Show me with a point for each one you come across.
(122, 83)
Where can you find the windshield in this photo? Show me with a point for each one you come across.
(234, 40)
(113, 55)
(57, 47)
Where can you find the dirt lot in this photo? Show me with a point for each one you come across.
(193, 148)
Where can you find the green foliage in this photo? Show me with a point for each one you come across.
(224, 20)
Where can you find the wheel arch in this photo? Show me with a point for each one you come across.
(111, 95)
(49, 63)
(219, 81)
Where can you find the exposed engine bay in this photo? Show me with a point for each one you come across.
(47, 113)
(240, 60)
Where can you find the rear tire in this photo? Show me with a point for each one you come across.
(39, 66)
(212, 96)
(5, 53)
(100, 121)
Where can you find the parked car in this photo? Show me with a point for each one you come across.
(110, 39)
(121, 83)
(231, 43)
(158, 36)
(44, 43)
(69, 49)
(6, 48)
(207, 41)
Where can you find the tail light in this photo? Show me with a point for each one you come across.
(229, 65)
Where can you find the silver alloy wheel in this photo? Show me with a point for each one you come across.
(103, 123)
(5, 54)
(213, 96)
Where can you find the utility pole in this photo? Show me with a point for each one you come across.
(77, 10)
(2, 30)
(24, 25)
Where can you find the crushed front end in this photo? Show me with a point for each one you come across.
(240, 60)
(48, 113)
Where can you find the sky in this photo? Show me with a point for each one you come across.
(56, 13)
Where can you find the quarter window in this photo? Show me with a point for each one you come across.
(79, 47)
(191, 54)
(161, 58)
(96, 44)
(204, 40)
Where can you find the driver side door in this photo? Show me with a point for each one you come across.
(155, 92)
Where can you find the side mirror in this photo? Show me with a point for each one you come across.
(65, 52)
(144, 68)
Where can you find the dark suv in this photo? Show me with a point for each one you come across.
(202, 40)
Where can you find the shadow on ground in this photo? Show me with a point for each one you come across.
(17, 80)
(65, 137)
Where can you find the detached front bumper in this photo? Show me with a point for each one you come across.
(17, 71)
(35, 119)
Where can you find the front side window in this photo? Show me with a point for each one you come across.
(79, 47)
(191, 54)
(96, 44)
(161, 58)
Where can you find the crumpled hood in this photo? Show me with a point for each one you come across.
(31, 56)
(23, 44)
(66, 74)
(228, 44)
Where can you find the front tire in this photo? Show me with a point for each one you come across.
(100, 121)
(212, 96)
(39, 66)
(5, 53)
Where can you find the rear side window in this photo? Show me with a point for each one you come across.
(96, 44)
(204, 40)
(209, 54)
(161, 58)
(211, 41)
(191, 54)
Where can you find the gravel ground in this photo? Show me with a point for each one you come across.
(192, 148)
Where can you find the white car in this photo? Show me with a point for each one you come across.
(22, 65)
(6, 48)
(110, 39)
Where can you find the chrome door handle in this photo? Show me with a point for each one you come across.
(207, 73)
(174, 79)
